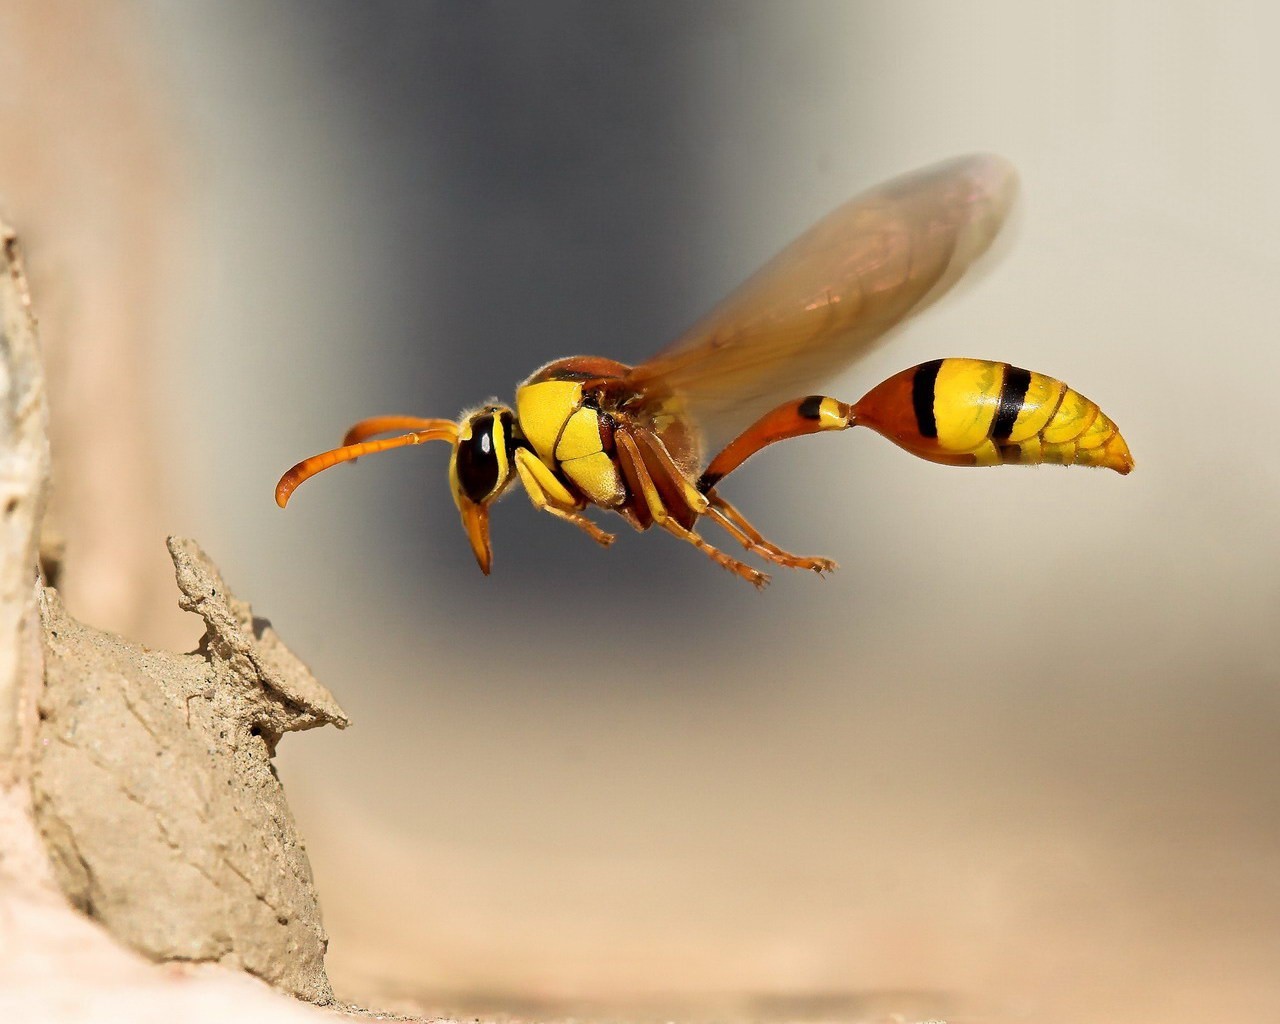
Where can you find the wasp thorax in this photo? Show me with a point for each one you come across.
(482, 461)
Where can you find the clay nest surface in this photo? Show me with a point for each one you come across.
(137, 785)
(155, 793)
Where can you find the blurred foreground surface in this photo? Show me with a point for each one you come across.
(1020, 750)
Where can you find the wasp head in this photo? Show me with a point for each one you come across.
(482, 466)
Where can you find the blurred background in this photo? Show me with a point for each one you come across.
(1020, 755)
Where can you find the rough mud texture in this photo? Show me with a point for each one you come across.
(155, 793)
(24, 473)
(58, 966)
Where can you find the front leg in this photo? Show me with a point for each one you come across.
(549, 495)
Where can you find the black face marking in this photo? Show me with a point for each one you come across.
(922, 385)
(476, 460)
(1013, 393)
(811, 407)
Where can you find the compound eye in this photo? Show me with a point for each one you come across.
(477, 460)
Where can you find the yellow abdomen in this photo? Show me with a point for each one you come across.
(977, 412)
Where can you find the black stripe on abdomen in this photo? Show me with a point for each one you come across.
(922, 385)
(811, 408)
(1013, 394)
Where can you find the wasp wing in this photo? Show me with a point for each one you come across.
(822, 301)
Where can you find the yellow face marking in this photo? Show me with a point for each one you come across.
(543, 408)
(536, 477)
(598, 478)
(1040, 403)
(1072, 418)
(500, 450)
(966, 396)
(580, 437)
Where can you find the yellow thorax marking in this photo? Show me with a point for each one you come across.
(597, 477)
(543, 409)
(580, 437)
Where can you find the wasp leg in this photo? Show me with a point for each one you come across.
(792, 419)
(680, 497)
(646, 488)
(549, 495)
(736, 524)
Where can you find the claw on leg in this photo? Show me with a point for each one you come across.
(755, 577)
(601, 537)
(737, 525)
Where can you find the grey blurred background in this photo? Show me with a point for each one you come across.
(1021, 750)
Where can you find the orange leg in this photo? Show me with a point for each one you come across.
(736, 523)
(582, 523)
(635, 469)
(793, 419)
(686, 503)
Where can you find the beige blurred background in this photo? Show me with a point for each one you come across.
(1023, 750)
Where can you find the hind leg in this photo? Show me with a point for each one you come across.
(750, 538)
(643, 485)
(791, 419)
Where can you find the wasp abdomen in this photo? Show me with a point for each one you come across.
(975, 412)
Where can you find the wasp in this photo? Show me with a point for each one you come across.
(592, 431)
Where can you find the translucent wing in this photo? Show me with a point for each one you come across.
(823, 301)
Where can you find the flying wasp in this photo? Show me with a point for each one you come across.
(592, 431)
